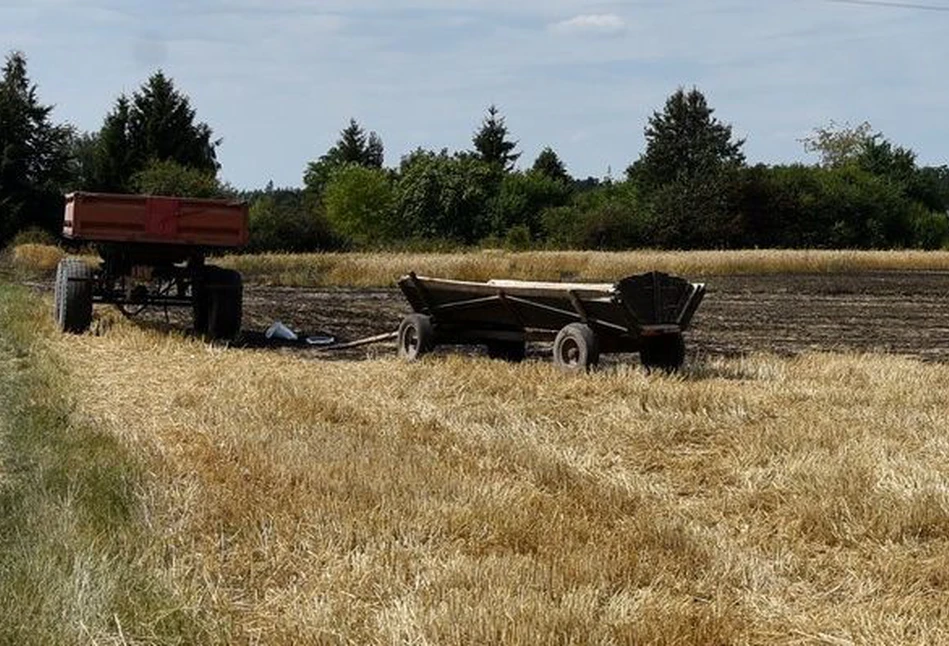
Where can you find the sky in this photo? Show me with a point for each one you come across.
(278, 79)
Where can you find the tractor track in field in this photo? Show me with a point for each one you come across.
(898, 312)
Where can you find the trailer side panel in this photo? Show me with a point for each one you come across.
(101, 217)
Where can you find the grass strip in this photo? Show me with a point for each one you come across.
(77, 563)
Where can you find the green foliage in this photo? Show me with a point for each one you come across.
(608, 217)
(288, 220)
(158, 124)
(930, 230)
(161, 125)
(838, 144)
(685, 142)
(492, 144)
(930, 186)
(521, 199)
(445, 196)
(518, 238)
(697, 212)
(687, 174)
(34, 155)
(77, 551)
(360, 203)
(170, 178)
(833, 207)
(354, 147)
(550, 165)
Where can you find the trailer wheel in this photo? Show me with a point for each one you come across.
(199, 306)
(513, 351)
(72, 298)
(665, 353)
(576, 348)
(416, 336)
(224, 293)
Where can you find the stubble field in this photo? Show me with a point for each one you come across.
(789, 487)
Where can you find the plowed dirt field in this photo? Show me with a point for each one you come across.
(896, 312)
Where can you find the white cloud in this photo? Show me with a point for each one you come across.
(600, 23)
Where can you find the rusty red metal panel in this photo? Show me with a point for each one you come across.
(161, 216)
(102, 217)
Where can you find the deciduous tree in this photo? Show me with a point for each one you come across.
(354, 146)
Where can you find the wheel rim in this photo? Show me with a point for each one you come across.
(570, 352)
(410, 341)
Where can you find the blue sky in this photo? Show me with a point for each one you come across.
(278, 79)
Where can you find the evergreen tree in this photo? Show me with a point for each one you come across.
(687, 174)
(34, 155)
(354, 146)
(549, 164)
(685, 142)
(162, 127)
(114, 165)
(492, 144)
(156, 125)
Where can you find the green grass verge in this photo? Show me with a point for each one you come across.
(78, 564)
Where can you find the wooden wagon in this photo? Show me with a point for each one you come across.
(645, 313)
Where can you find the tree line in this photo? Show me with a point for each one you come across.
(691, 187)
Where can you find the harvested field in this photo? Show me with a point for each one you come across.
(788, 488)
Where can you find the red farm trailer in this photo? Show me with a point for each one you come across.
(152, 252)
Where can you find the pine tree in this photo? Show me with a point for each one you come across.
(492, 144)
(156, 126)
(353, 147)
(685, 141)
(550, 165)
(34, 154)
(162, 127)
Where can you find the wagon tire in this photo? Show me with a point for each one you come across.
(222, 295)
(665, 353)
(199, 306)
(576, 348)
(416, 336)
(513, 351)
(72, 298)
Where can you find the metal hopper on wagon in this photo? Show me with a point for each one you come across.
(645, 313)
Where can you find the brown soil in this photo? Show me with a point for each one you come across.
(895, 312)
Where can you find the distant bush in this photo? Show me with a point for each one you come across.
(289, 221)
(170, 178)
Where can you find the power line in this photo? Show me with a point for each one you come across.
(897, 5)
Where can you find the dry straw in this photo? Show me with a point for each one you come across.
(382, 269)
(461, 500)
(36, 258)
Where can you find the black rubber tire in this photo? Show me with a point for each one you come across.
(665, 353)
(576, 348)
(199, 305)
(72, 297)
(513, 351)
(416, 336)
(224, 294)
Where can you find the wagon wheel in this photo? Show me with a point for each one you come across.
(576, 348)
(73, 296)
(416, 336)
(665, 353)
(218, 303)
(513, 351)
